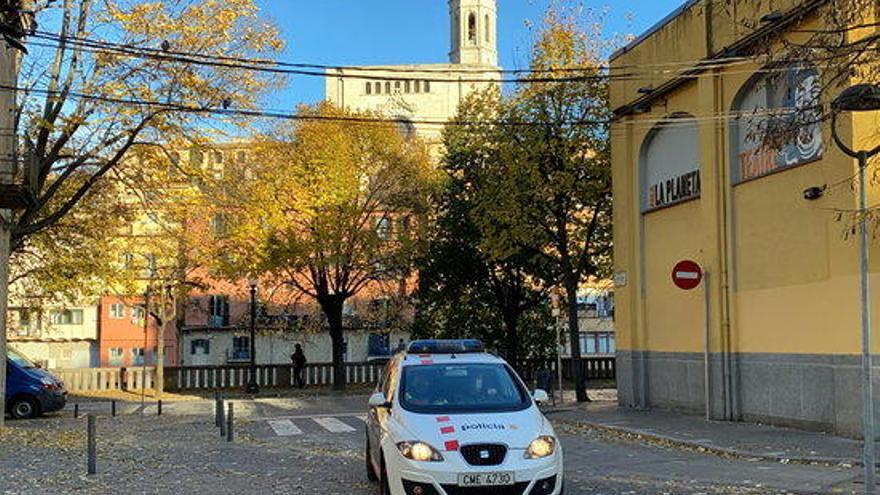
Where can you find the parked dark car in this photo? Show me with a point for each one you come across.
(30, 390)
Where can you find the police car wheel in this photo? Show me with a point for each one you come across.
(24, 408)
(371, 473)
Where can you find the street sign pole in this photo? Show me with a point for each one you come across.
(707, 390)
(688, 275)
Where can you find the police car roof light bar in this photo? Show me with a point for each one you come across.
(460, 346)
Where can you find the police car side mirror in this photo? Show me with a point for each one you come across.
(377, 400)
(541, 396)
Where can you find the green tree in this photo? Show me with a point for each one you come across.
(500, 292)
(545, 190)
(330, 208)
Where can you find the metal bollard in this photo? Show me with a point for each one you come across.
(160, 407)
(222, 420)
(113, 408)
(75, 411)
(92, 446)
(218, 410)
(230, 423)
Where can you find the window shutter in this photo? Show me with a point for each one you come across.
(225, 302)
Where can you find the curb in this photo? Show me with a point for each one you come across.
(657, 438)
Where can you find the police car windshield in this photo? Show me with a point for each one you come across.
(461, 388)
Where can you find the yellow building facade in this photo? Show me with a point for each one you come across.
(695, 179)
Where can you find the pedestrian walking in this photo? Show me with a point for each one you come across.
(298, 358)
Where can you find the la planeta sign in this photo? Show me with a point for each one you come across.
(674, 190)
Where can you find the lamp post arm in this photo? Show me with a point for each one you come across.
(840, 144)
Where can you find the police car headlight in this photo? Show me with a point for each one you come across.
(419, 451)
(541, 447)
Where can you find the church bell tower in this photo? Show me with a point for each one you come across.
(474, 33)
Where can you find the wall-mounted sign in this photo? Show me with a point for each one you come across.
(779, 124)
(620, 279)
(687, 275)
(670, 164)
(674, 190)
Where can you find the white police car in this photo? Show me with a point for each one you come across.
(450, 419)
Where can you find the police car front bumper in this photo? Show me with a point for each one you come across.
(531, 477)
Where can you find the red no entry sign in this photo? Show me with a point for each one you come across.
(687, 275)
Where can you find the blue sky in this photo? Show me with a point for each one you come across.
(361, 32)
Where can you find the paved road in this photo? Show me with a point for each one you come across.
(315, 446)
(595, 463)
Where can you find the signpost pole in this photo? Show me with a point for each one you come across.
(687, 275)
(707, 390)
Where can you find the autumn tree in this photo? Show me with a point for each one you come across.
(106, 76)
(545, 178)
(332, 207)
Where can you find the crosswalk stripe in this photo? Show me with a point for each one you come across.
(285, 428)
(333, 425)
(362, 418)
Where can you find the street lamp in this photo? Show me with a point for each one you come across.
(862, 98)
(252, 386)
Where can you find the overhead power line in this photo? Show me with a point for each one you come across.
(379, 73)
(423, 68)
(282, 115)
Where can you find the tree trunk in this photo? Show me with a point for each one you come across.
(511, 337)
(577, 365)
(160, 359)
(332, 306)
(4, 297)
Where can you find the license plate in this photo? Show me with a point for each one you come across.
(485, 479)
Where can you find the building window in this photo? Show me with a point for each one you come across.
(127, 260)
(397, 86)
(383, 228)
(28, 321)
(597, 343)
(117, 311)
(196, 159)
(137, 356)
(200, 347)
(472, 28)
(407, 87)
(218, 225)
(137, 314)
(241, 347)
(388, 87)
(218, 311)
(417, 86)
(783, 105)
(116, 356)
(151, 268)
(378, 88)
(427, 86)
(670, 163)
(369, 88)
(66, 317)
(486, 29)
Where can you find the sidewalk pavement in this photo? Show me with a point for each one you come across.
(738, 440)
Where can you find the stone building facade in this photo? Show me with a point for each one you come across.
(424, 96)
